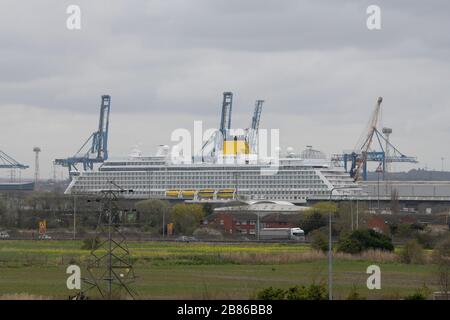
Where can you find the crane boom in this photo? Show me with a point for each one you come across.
(364, 151)
(255, 125)
(368, 141)
(100, 145)
(7, 162)
(98, 150)
(227, 105)
(257, 114)
(219, 136)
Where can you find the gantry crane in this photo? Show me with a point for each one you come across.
(253, 131)
(216, 140)
(227, 107)
(8, 162)
(365, 153)
(95, 148)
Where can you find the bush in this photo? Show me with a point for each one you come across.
(420, 294)
(416, 296)
(311, 292)
(313, 221)
(318, 241)
(412, 252)
(354, 294)
(441, 257)
(152, 212)
(186, 217)
(90, 243)
(316, 292)
(271, 294)
(362, 240)
(428, 239)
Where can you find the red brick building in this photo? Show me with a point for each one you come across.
(381, 222)
(243, 219)
(378, 223)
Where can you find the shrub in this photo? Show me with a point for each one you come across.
(441, 257)
(152, 213)
(428, 239)
(416, 296)
(186, 217)
(361, 240)
(412, 252)
(311, 292)
(349, 245)
(90, 243)
(404, 230)
(318, 241)
(420, 294)
(271, 294)
(354, 294)
(316, 292)
(313, 221)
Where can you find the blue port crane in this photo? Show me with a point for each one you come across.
(225, 121)
(227, 106)
(253, 131)
(216, 140)
(7, 162)
(95, 148)
(218, 137)
(386, 154)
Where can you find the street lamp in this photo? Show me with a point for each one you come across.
(74, 216)
(330, 243)
(258, 225)
(164, 224)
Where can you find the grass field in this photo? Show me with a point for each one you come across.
(207, 271)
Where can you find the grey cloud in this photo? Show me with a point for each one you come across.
(173, 59)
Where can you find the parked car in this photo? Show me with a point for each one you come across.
(4, 235)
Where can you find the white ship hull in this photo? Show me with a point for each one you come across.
(294, 180)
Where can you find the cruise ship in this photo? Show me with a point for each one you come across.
(229, 166)
(296, 178)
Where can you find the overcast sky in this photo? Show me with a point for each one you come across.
(165, 63)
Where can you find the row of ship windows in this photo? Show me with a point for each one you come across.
(209, 185)
(225, 184)
(156, 178)
(218, 180)
(258, 193)
(198, 174)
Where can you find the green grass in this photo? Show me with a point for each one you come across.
(60, 252)
(201, 271)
